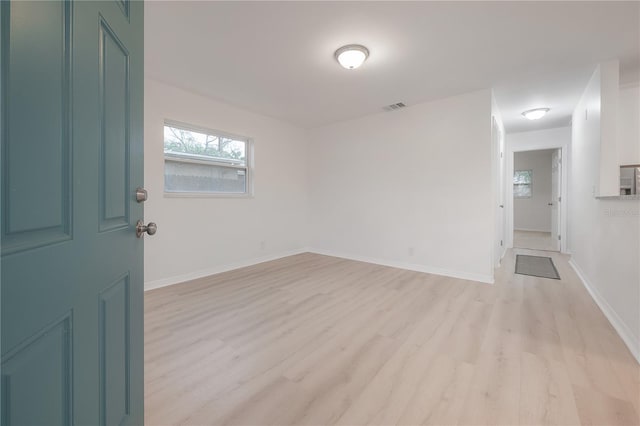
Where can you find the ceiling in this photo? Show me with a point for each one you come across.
(276, 58)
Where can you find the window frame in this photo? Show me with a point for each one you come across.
(219, 133)
(530, 184)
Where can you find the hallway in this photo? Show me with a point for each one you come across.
(534, 240)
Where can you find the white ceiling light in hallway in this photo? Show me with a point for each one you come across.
(352, 56)
(535, 114)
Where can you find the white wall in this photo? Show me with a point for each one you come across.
(534, 214)
(605, 234)
(411, 188)
(538, 140)
(201, 236)
(629, 125)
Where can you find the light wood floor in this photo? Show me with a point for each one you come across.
(316, 340)
(534, 240)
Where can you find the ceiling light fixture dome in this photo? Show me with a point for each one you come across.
(352, 56)
(535, 114)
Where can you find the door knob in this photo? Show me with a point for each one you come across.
(550, 204)
(141, 228)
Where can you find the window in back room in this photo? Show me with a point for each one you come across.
(522, 183)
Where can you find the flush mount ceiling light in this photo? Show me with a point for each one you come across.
(352, 56)
(535, 114)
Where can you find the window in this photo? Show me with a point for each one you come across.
(522, 180)
(200, 161)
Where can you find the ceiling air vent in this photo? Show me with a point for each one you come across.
(394, 107)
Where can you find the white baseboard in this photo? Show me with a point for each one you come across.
(150, 285)
(408, 266)
(632, 342)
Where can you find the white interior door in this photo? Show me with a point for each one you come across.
(501, 193)
(498, 147)
(556, 200)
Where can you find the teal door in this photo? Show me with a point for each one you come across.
(72, 271)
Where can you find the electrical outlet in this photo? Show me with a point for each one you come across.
(411, 251)
(263, 245)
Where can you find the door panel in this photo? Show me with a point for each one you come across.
(114, 353)
(114, 140)
(36, 66)
(72, 93)
(46, 360)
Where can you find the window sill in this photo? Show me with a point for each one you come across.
(204, 195)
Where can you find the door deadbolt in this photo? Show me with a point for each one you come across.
(141, 195)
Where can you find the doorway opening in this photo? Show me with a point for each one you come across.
(537, 199)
